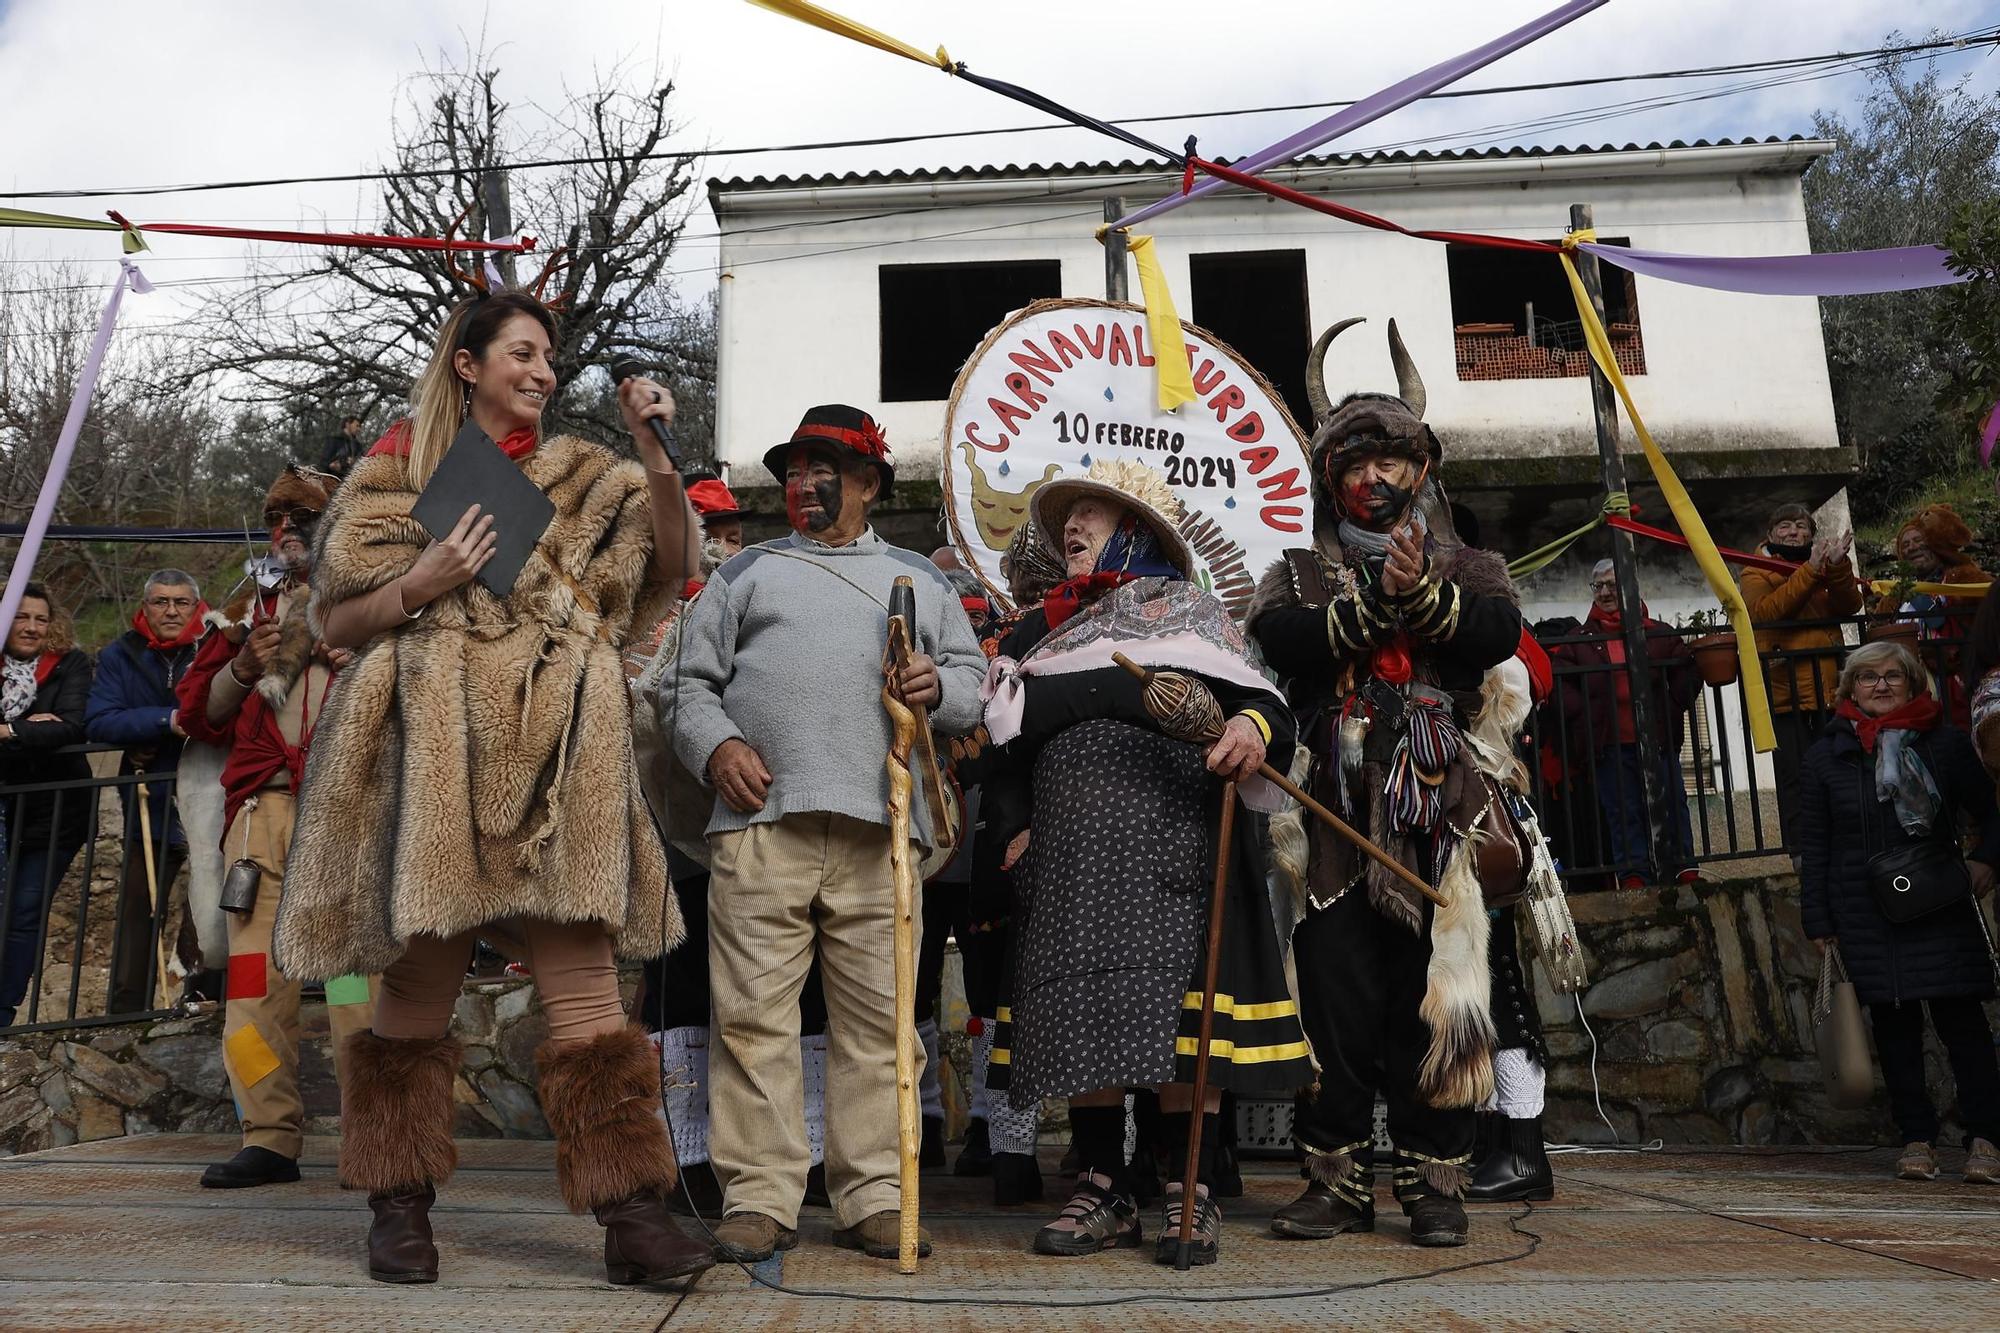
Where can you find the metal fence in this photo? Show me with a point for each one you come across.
(1587, 783)
(79, 946)
(76, 959)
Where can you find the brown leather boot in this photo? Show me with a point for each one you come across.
(399, 1243)
(613, 1157)
(396, 1117)
(643, 1243)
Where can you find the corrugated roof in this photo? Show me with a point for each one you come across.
(927, 176)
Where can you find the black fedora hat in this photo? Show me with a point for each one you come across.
(843, 427)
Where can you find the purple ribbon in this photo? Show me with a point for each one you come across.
(79, 405)
(1989, 435)
(1849, 273)
(1395, 96)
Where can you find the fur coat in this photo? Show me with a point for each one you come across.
(475, 765)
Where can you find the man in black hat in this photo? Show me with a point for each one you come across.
(778, 707)
(1382, 634)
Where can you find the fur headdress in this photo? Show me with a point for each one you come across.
(300, 487)
(1942, 530)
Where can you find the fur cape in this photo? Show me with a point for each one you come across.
(475, 765)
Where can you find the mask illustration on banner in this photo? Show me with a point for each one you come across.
(1063, 383)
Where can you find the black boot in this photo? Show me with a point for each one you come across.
(1320, 1214)
(249, 1168)
(976, 1157)
(930, 1149)
(699, 1193)
(1437, 1220)
(1017, 1178)
(1517, 1170)
(1486, 1137)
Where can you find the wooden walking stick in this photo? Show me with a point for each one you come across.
(1217, 895)
(153, 907)
(1187, 711)
(903, 721)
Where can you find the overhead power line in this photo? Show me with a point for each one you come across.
(1960, 41)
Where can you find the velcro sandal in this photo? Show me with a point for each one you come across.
(1101, 1221)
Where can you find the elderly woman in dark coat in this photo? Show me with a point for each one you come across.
(1114, 827)
(1890, 771)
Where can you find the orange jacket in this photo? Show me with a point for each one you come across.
(1801, 595)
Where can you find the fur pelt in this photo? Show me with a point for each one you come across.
(602, 1099)
(1505, 700)
(396, 1113)
(475, 765)
(296, 639)
(301, 487)
(1458, 1068)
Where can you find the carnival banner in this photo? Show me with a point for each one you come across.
(1064, 383)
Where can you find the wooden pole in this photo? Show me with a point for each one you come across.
(1217, 895)
(1292, 789)
(1625, 566)
(904, 730)
(153, 905)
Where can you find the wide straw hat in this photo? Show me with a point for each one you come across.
(1133, 485)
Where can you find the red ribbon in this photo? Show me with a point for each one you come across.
(350, 239)
(1360, 218)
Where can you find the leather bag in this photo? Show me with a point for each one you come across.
(1841, 1036)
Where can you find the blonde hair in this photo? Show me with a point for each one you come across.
(438, 401)
(1875, 656)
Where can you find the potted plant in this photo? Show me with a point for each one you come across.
(1713, 647)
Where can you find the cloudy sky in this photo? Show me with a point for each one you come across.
(121, 93)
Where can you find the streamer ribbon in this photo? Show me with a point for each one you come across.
(129, 279)
(1170, 360)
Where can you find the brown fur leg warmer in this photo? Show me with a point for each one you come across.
(602, 1098)
(396, 1113)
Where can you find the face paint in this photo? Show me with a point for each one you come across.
(824, 493)
(1377, 503)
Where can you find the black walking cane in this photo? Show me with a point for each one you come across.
(1215, 902)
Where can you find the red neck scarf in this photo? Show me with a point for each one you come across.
(1612, 622)
(1072, 595)
(396, 440)
(189, 632)
(1919, 714)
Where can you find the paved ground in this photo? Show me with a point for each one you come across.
(116, 1235)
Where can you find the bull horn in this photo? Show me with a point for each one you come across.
(1316, 395)
(1409, 384)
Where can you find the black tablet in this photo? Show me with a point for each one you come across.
(476, 472)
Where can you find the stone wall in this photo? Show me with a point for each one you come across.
(59, 1088)
(1699, 1002)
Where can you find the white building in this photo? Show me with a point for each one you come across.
(872, 289)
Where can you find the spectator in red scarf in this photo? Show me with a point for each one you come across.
(1890, 771)
(1603, 732)
(42, 693)
(132, 704)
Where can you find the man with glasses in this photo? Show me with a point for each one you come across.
(132, 704)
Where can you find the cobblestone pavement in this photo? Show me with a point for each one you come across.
(117, 1235)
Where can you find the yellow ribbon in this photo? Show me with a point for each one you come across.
(828, 21)
(1756, 702)
(1883, 587)
(1169, 345)
(21, 217)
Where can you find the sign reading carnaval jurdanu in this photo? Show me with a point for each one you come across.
(1063, 383)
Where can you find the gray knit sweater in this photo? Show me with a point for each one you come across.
(781, 651)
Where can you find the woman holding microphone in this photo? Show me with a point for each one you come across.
(473, 775)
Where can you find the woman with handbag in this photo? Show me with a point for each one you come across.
(1882, 796)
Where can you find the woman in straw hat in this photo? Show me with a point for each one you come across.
(1112, 826)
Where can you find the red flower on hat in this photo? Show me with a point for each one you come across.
(872, 441)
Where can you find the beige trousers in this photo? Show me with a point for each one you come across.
(571, 962)
(260, 1030)
(778, 891)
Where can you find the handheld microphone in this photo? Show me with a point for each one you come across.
(624, 368)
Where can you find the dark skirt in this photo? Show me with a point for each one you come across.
(1111, 912)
